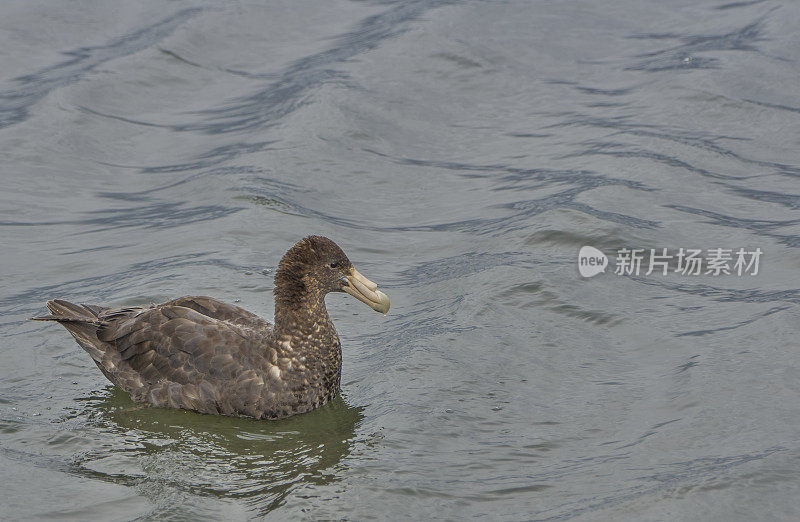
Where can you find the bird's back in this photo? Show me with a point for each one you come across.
(195, 353)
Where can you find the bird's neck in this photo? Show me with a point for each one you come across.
(300, 317)
(300, 312)
(304, 334)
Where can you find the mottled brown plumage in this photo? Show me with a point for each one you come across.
(201, 354)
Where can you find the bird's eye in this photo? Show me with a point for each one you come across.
(334, 265)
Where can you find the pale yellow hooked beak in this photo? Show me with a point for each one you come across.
(366, 291)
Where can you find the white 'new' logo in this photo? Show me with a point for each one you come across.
(591, 261)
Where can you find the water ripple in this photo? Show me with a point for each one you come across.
(15, 103)
(684, 56)
(162, 214)
(106, 286)
(268, 106)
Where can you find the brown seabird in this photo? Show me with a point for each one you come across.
(201, 354)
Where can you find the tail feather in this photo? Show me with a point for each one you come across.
(64, 311)
(82, 321)
(61, 308)
(95, 309)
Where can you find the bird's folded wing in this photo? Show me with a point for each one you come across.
(221, 310)
(177, 344)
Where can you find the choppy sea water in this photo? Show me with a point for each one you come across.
(461, 153)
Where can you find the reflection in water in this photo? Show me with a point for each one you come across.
(172, 455)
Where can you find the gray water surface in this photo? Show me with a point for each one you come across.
(461, 153)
